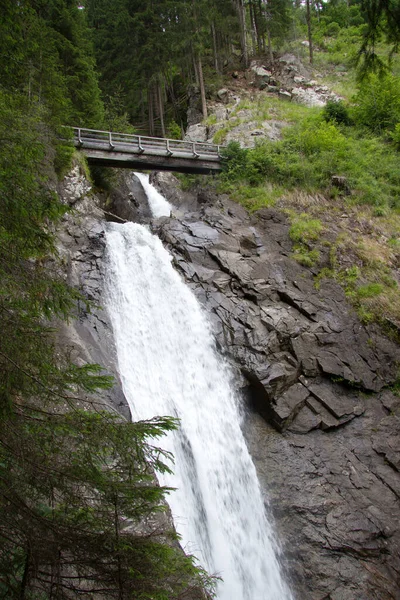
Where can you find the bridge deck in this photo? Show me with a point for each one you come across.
(105, 148)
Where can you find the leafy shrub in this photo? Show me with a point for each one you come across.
(332, 29)
(305, 257)
(314, 136)
(378, 103)
(234, 161)
(174, 131)
(395, 135)
(336, 111)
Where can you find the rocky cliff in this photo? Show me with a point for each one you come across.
(321, 422)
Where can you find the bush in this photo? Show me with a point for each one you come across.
(378, 103)
(336, 111)
(395, 135)
(332, 29)
(174, 131)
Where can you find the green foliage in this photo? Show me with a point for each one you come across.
(332, 29)
(47, 57)
(304, 256)
(311, 152)
(75, 503)
(377, 104)
(174, 131)
(395, 135)
(383, 21)
(337, 112)
(369, 290)
(304, 229)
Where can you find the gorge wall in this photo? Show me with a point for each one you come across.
(322, 425)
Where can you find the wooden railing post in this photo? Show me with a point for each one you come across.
(141, 149)
(194, 150)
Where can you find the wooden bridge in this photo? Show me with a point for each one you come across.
(122, 150)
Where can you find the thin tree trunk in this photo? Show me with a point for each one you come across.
(151, 110)
(117, 538)
(252, 27)
(241, 9)
(271, 56)
(161, 108)
(196, 71)
(310, 42)
(202, 88)
(215, 48)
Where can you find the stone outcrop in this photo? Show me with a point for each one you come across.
(323, 425)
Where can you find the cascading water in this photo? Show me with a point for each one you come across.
(169, 366)
(158, 204)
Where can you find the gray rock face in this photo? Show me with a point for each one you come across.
(81, 246)
(327, 445)
(196, 133)
(322, 426)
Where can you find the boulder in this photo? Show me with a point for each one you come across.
(223, 95)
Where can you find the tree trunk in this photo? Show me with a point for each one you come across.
(241, 9)
(151, 110)
(271, 56)
(202, 88)
(310, 43)
(160, 107)
(253, 28)
(215, 47)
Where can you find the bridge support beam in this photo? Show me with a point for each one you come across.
(122, 160)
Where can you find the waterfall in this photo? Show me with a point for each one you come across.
(159, 206)
(168, 365)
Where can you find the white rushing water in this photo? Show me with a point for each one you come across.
(169, 366)
(159, 206)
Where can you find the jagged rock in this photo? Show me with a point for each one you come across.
(75, 186)
(196, 133)
(194, 112)
(312, 373)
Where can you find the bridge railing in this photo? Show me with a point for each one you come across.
(139, 144)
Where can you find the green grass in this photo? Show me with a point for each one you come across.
(304, 229)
